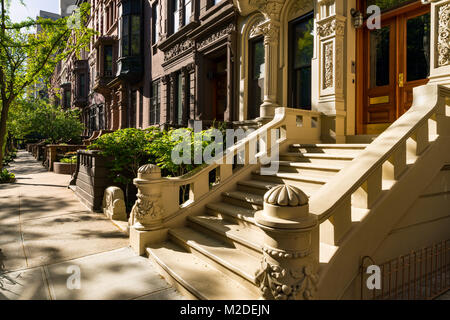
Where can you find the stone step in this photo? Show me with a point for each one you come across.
(260, 185)
(309, 169)
(332, 146)
(318, 158)
(226, 258)
(238, 215)
(194, 276)
(249, 240)
(293, 176)
(244, 199)
(341, 149)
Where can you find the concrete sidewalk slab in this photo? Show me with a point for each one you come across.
(65, 237)
(44, 230)
(114, 275)
(24, 285)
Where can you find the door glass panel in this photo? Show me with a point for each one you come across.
(418, 47)
(386, 5)
(302, 52)
(257, 81)
(379, 57)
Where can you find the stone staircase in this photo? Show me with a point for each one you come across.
(217, 255)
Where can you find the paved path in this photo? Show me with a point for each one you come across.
(47, 238)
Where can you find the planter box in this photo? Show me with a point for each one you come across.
(64, 168)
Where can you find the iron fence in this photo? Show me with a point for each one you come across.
(420, 275)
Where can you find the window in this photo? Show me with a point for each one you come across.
(135, 35)
(141, 108)
(175, 15)
(132, 110)
(214, 2)
(101, 117)
(256, 81)
(125, 36)
(108, 60)
(155, 22)
(179, 97)
(67, 99)
(301, 53)
(131, 26)
(82, 86)
(155, 103)
(187, 11)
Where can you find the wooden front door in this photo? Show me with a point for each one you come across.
(395, 60)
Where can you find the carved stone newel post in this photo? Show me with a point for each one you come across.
(289, 267)
(146, 220)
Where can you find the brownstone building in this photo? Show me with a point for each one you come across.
(153, 63)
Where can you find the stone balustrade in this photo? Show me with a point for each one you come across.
(52, 151)
(188, 193)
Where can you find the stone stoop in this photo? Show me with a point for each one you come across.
(216, 256)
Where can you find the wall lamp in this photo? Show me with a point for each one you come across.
(357, 18)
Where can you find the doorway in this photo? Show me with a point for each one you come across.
(395, 59)
(215, 92)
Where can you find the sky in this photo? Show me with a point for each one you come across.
(19, 12)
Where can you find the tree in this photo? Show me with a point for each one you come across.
(37, 117)
(26, 57)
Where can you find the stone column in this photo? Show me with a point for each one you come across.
(173, 96)
(290, 251)
(186, 71)
(191, 91)
(230, 74)
(165, 99)
(270, 28)
(123, 103)
(199, 78)
(146, 219)
(440, 42)
(331, 31)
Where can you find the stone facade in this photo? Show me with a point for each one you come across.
(196, 60)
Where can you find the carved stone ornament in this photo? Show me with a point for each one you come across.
(270, 8)
(286, 196)
(277, 283)
(114, 204)
(331, 27)
(444, 35)
(328, 65)
(270, 30)
(255, 31)
(146, 209)
(216, 36)
(178, 49)
(302, 5)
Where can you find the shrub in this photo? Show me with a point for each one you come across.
(71, 160)
(6, 177)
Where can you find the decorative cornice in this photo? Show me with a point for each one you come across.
(178, 49)
(330, 27)
(216, 36)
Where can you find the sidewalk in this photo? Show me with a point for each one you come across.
(46, 234)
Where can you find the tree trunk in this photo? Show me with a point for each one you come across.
(3, 119)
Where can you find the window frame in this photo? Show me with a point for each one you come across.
(155, 102)
(291, 80)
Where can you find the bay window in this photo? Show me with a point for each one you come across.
(131, 28)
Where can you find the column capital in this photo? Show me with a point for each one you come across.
(270, 30)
